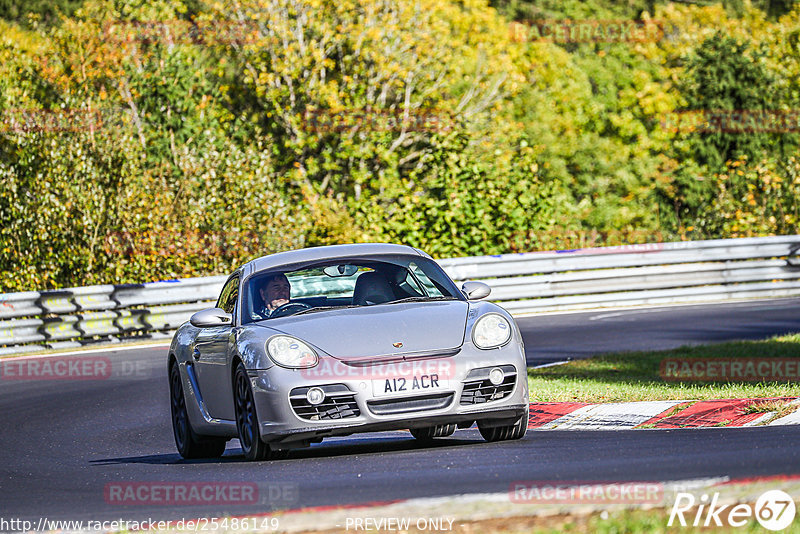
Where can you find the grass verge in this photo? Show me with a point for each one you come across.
(499, 516)
(615, 522)
(636, 376)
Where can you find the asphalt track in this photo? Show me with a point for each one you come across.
(558, 337)
(65, 443)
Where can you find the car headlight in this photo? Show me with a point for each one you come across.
(288, 351)
(490, 331)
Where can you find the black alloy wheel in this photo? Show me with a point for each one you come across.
(189, 444)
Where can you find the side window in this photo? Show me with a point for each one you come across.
(412, 286)
(419, 275)
(227, 299)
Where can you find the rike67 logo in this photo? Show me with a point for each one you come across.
(774, 510)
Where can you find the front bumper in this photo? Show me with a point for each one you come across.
(454, 389)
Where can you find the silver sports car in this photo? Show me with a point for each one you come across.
(335, 340)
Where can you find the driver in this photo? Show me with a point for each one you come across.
(275, 292)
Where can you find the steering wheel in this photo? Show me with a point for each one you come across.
(288, 309)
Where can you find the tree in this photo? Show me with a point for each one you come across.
(731, 98)
(726, 75)
(47, 10)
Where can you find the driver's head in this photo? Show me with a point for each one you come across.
(276, 291)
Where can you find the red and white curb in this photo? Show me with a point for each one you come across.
(656, 414)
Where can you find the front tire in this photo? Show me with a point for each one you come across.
(246, 419)
(189, 444)
(505, 432)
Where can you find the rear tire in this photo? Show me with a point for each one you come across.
(436, 431)
(246, 419)
(190, 445)
(506, 432)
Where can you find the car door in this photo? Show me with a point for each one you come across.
(210, 357)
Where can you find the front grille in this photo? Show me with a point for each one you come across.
(339, 403)
(410, 404)
(478, 389)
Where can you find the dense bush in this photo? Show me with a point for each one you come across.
(23, 11)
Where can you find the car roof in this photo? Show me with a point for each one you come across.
(323, 253)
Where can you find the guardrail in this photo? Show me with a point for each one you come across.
(635, 275)
(607, 277)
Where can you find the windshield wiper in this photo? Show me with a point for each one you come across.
(421, 299)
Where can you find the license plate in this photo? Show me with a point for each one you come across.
(408, 385)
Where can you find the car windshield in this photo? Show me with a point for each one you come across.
(345, 282)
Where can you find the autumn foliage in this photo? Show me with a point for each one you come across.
(161, 139)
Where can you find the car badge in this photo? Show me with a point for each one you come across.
(397, 345)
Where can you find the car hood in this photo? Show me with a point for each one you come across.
(369, 332)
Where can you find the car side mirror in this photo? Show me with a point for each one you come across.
(475, 290)
(211, 317)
